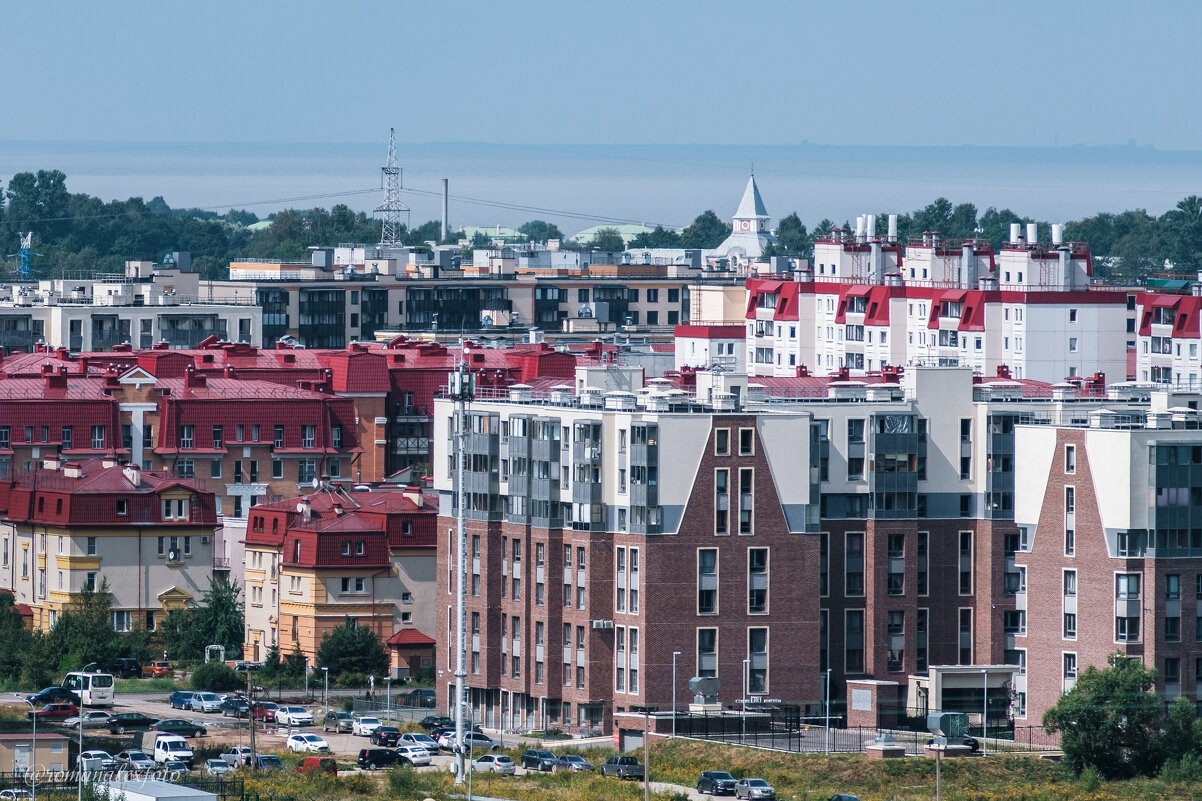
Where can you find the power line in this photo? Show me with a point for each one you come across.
(540, 210)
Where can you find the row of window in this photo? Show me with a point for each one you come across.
(187, 435)
(67, 436)
(306, 469)
(757, 581)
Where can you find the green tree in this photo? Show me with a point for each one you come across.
(791, 235)
(659, 238)
(1182, 731)
(16, 637)
(540, 231)
(706, 231)
(1110, 720)
(216, 676)
(352, 649)
(84, 632)
(1183, 232)
(608, 240)
(220, 618)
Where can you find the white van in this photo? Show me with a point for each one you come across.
(172, 746)
(93, 689)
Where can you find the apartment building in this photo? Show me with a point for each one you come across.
(869, 303)
(67, 525)
(803, 524)
(1167, 336)
(314, 561)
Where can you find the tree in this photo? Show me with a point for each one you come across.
(216, 676)
(1183, 231)
(659, 238)
(1110, 720)
(608, 240)
(791, 235)
(540, 231)
(84, 632)
(707, 231)
(352, 649)
(220, 618)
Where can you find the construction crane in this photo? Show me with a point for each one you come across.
(25, 253)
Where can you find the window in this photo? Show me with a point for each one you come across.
(966, 559)
(1070, 583)
(1172, 629)
(1070, 666)
(965, 650)
(1070, 626)
(1127, 586)
(278, 437)
(757, 580)
(721, 501)
(308, 436)
(121, 620)
(91, 546)
(853, 578)
(707, 581)
(185, 468)
(721, 442)
(1014, 621)
(186, 436)
(707, 652)
(853, 659)
(214, 468)
(746, 441)
(757, 655)
(218, 437)
(68, 435)
(122, 507)
(277, 468)
(896, 577)
(1070, 458)
(306, 471)
(746, 499)
(1126, 629)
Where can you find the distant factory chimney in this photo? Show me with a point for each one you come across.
(445, 196)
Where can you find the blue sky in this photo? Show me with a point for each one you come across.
(859, 73)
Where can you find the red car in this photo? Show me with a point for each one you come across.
(53, 712)
(265, 710)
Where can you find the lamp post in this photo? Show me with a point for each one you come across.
(471, 747)
(985, 714)
(250, 695)
(647, 710)
(743, 701)
(388, 699)
(325, 691)
(674, 655)
(828, 711)
(33, 784)
(83, 704)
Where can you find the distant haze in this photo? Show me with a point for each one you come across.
(580, 186)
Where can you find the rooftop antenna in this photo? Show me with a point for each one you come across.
(391, 209)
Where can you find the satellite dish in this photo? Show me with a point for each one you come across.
(315, 483)
(173, 555)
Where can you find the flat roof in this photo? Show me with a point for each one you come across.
(155, 787)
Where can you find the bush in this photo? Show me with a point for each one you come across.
(348, 704)
(216, 677)
(350, 681)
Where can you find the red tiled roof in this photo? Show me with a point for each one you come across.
(411, 637)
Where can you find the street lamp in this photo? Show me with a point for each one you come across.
(985, 714)
(647, 710)
(471, 746)
(828, 711)
(674, 655)
(33, 784)
(743, 700)
(388, 699)
(83, 704)
(325, 691)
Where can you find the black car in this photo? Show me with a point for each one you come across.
(236, 707)
(184, 728)
(375, 758)
(422, 696)
(535, 759)
(434, 721)
(716, 782)
(53, 695)
(126, 668)
(386, 736)
(130, 721)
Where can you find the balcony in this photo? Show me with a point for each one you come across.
(221, 563)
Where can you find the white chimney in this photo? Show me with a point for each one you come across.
(892, 227)
(132, 474)
(859, 227)
(1032, 233)
(871, 226)
(305, 509)
(1057, 234)
(1015, 231)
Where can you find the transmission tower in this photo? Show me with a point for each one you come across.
(391, 209)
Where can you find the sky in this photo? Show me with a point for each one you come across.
(606, 72)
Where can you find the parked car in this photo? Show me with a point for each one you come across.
(126, 668)
(973, 744)
(417, 738)
(624, 767)
(386, 735)
(135, 761)
(171, 746)
(311, 764)
(577, 762)
(433, 721)
(307, 742)
(53, 695)
(122, 722)
(754, 788)
(293, 716)
(97, 760)
(495, 763)
(843, 797)
(237, 755)
(153, 670)
(218, 767)
(53, 712)
(205, 702)
(88, 720)
(535, 759)
(268, 762)
(716, 782)
(414, 755)
(337, 721)
(422, 696)
(181, 699)
(364, 726)
(265, 710)
(235, 707)
(184, 728)
(472, 741)
(376, 758)
(15, 794)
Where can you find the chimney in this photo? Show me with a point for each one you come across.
(52, 462)
(72, 470)
(338, 510)
(413, 494)
(192, 379)
(132, 474)
(305, 508)
(445, 198)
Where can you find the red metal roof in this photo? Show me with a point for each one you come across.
(411, 637)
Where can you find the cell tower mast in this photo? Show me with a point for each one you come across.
(391, 209)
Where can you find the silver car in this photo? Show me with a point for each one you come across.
(218, 767)
(205, 702)
(754, 788)
(495, 763)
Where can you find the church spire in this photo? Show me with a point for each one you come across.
(751, 214)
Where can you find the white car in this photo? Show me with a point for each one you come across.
(97, 760)
(365, 726)
(237, 755)
(90, 720)
(307, 742)
(218, 767)
(414, 755)
(293, 716)
(420, 739)
(495, 763)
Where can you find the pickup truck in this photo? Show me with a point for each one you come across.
(624, 767)
(152, 670)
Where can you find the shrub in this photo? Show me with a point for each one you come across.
(216, 677)
(350, 681)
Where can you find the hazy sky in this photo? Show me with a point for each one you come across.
(605, 71)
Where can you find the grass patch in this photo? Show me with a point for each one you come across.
(161, 684)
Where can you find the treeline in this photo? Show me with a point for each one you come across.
(77, 232)
(84, 634)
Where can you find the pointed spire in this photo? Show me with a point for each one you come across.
(751, 207)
